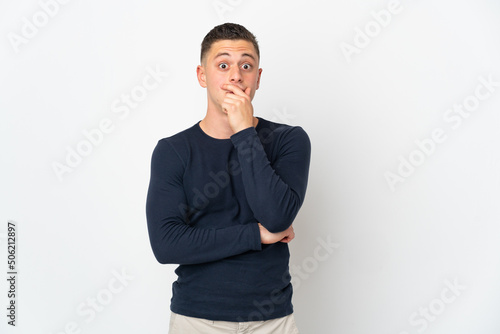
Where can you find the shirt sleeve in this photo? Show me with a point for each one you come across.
(274, 192)
(172, 239)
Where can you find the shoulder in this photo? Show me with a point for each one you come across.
(176, 145)
(281, 134)
(179, 138)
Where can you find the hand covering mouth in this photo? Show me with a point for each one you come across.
(229, 91)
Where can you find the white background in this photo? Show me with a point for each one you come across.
(397, 247)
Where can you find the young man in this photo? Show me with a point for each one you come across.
(222, 198)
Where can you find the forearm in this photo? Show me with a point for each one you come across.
(274, 194)
(179, 243)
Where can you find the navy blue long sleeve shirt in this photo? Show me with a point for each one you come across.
(205, 198)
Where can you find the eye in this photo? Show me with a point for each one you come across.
(246, 66)
(223, 66)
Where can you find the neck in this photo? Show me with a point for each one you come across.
(216, 125)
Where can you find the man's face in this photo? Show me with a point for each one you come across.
(229, 62)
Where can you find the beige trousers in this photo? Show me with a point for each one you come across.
(180, 324)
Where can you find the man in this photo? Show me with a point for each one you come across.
(222, 198)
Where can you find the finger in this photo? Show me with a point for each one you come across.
(289, 237)
(232, 88)
(236, 90)
(233, 98)
(226, 107)
(233, 102)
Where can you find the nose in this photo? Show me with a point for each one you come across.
(235, 75)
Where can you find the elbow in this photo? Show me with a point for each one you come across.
(281, 218)
(161, 258)
(164, 259)
(164, 255)
(277, 223)
(160, 238)
(277, 228)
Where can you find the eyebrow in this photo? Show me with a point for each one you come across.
(227, 54)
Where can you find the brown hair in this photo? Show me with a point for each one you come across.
(229, 31)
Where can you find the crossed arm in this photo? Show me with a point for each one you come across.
(274, 193)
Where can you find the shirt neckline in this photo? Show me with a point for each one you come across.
(257, 127)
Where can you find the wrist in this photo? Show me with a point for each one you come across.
(241, 128)
(252, 123)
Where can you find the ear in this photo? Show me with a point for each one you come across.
(258, 78)
(202, 79)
